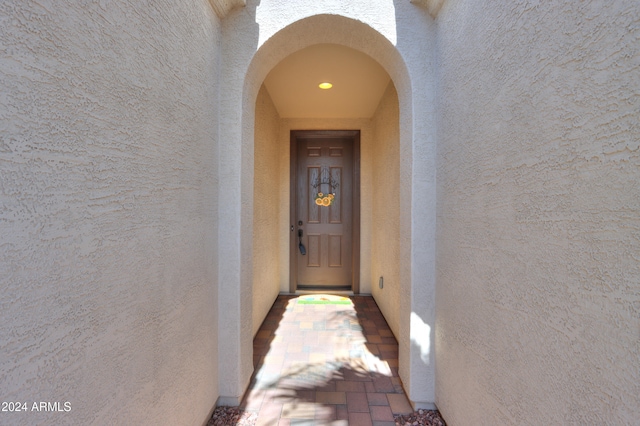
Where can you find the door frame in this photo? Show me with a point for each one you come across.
(354, 135)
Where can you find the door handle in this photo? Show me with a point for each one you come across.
(303, 250)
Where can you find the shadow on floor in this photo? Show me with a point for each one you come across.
(330, 361)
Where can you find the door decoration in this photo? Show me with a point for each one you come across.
(322, 198)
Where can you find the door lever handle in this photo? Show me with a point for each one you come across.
(303, 250)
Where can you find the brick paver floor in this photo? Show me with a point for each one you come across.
(325, 364)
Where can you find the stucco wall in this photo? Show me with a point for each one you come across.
(266, 208)
(384, 202)
(538, 267)
(107, 208)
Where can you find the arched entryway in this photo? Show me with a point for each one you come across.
(236, 220)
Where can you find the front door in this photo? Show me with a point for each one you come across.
(324, 223)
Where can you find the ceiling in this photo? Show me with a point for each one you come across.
(358, 83)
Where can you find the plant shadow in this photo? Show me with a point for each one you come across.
(325, 366)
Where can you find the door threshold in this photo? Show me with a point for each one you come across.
(333, 292)
(328, 291)
(324, 288)
(336, 292)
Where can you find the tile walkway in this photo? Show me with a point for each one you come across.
(325, 364)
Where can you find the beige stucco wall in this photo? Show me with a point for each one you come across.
(109, 203)
(538, 266)
(107, 208)
(266, 208)
(384, 202)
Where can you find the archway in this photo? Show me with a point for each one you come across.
(297, 35)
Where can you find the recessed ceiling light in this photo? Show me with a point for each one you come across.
(325, 85)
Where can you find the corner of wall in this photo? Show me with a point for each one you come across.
(267, 208)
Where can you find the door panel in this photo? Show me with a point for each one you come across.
(335, 251)
(313, 210)
(335, 209)
(324, 163)
(313, 250)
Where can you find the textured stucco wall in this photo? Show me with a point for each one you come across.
(384, 202)
(266, 208)
(538, 314)
(107, 208)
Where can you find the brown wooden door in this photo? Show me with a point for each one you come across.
(324, 194)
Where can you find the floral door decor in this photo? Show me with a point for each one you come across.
(325, 198)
